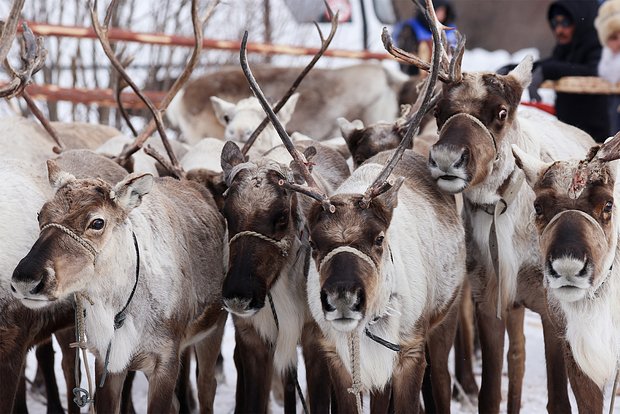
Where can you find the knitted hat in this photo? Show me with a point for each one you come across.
(608, 20)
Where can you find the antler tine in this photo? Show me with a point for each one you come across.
(457, 59)
(324, 45)
(407, 57)
(381, 185)
(610, 150)
(312, 190)
(9, 29)
(118, 89)
(33, 58)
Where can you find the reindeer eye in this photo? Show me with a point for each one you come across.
(38, 215)
(96, 224)
(282, 220)
(608, 206)
(538, 209)
(379, 240)
(311, 243)
(226, 119)
(502, 115)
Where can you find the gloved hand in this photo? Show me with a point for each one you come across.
(537, 80)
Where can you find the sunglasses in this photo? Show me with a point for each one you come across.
(560, 21)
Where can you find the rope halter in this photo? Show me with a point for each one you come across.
(80, 240)
(283, 244)
(475, 121)
(348, 249)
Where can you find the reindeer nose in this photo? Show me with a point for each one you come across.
(568, 267)
(24, 285)
(343, 297)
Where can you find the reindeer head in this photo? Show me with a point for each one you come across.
(241, 119)
(473, 118)
(349, 247)
(264, 224)
(77, 228)
(578, 229)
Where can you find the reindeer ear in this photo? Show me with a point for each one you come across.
(57, 177)
(523, 72)
(347, 128)
(222, 109)
(531, 166)
(129, 192)
(285, 114)
(390, 197)
(231, 156)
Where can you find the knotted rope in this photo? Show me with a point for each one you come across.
(356, 375)
(283, 244)
(81, 241)
(81, 396)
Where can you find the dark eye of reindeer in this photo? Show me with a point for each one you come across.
(38, 215)
(311, 243)
(282, 220)
(379, 241)
(538, 209)
(502, 115)
(226, 119)
(96, 224)
(608, 206)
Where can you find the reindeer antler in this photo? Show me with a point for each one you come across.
(590, 168)
(312, 190)
(157, 121)
(381, 185)
(324, 45)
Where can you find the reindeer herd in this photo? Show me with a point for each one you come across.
(364, 242)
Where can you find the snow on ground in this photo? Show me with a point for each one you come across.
(534, 397)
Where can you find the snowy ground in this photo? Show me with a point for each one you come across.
(534, 397)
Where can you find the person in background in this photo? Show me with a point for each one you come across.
(576, 53)
(414, 36)
(607, 24)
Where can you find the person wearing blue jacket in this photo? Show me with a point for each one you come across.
(414, 36)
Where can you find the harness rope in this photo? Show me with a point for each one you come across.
(356, 375)
(83, 397)
(475, 121)
(283, 244)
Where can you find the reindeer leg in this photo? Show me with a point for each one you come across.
(14, 343)
(516, 357)
(45, 360)
(162, 382)
(254, 363)
(557, 389)
(207, 352)
(64, 338)
(588, 395)
(126, 400)
(20, 406)
(108, 398)
(342, 400)
(492, 347)
(440, 342)
(184, 391)
(290, 394)
(317, 371)
(380, 400)
(408, 376)
(464, 344)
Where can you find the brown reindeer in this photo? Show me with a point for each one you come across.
(135, 250)
(578, 228)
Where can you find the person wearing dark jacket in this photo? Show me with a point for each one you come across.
(577, 53)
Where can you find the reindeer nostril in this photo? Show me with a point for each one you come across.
(13, 288)
(359, 302)
(431, 162)
(462, 160)
(551, 270)
(584, 270)
(326, 305)
(38, 288)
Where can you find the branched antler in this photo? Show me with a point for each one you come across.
(33, 58)
(381, 183)
(312, 190)
(324, 45)
(157, 121)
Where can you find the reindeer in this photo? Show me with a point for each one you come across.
(134, 250)
(477, 120)
(318, 106)
(363, 292)
(578, 228)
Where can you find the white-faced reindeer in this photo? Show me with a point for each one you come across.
(478, 121)
(380, 288)
(578, 227)
(146, 256)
